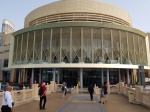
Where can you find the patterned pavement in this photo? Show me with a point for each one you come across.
(82, 103)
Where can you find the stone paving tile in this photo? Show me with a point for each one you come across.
(55, 103)
(119, 103)
(81, 107)
(83, 98)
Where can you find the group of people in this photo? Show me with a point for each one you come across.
(103, 93)
(7, 102)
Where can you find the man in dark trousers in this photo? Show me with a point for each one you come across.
(91, 91)
(43, 96)
(7, 102)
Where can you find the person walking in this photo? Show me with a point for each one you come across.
(64, 89)
(7, 102)
(102, 96)
(105, 91)
(43, 96)
(91, 91)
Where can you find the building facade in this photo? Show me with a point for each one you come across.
(81, 42)
(5, 35)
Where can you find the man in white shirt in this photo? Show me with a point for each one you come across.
(7, 102)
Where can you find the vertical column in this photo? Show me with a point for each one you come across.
(108, 75)
(102, 77)
(71, 45)
(119, 75)
(128, 78)
(17, 58)
(112, 56)
(81, 77)
(120, 46)
(32, 77)
(54, 74)
(128, 47)
(42, 46)
(27, 48)
(51, 32)
(92, 45)
(33, 46)
(81, 45)
(134, 49)
(61, 60)
(102, 45)
(21, 49)
(139, 57)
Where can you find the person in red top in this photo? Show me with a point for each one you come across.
(43, 96)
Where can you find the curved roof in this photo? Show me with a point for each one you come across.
(66, 6)
(8, 23)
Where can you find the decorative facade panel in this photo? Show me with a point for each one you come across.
(80, 45)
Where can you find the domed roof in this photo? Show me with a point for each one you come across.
(89, 6)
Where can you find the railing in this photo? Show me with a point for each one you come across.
(113, 89)
(26, 95)
(22, 96)
(145, 99)
(135, 95)
(58, 87)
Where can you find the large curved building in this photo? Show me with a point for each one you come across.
(78, 41)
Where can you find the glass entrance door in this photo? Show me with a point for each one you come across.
(91, 76)
(70, 76)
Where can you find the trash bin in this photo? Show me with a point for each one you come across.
(131, 96)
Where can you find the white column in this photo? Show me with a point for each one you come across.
(119, 76)
(108, 75)
(128, 78)
(81, 77)
(54, 74)
(102, 77)
(32, 77)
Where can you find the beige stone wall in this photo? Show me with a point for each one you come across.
(5, 38)
(4, 50)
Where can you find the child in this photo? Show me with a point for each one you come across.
(102, 96)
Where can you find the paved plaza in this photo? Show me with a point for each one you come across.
(82, 103)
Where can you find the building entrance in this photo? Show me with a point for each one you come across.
(91, 77)
(70, 76)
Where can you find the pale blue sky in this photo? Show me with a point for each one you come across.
(16, 11)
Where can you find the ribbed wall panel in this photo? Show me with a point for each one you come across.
(80, 44)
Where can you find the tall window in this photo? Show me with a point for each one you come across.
(5, 63)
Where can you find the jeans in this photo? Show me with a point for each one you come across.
(41, 99)
(91, 95)
(5, 109)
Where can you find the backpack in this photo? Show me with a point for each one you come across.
(40, 92)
